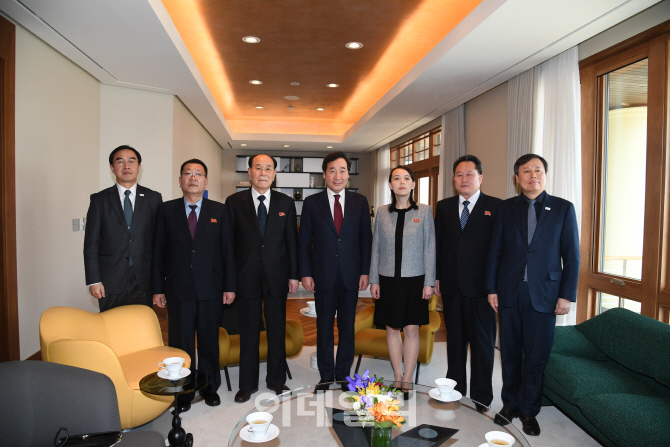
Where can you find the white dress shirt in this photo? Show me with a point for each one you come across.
(122, 194)
(331, 201)
(255, 194)
(473, 199)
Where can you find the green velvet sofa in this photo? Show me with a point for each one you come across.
(611, 374)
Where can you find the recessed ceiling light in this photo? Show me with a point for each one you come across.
(251, 39)
(243, 144)
(320, 109)
(259, 107)
(354, 45)
(255, 82)
(332, 85)
(295, 84)
(329, 147)
(287, 145)
(292, 97)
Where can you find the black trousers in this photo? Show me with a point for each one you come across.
(470, 321)
(188, 318)
(343, 301)
(132, 293)
(523, 329)
(250, 310)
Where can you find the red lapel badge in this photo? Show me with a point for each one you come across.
(487, 213)
(417, 220)
(282, 214)
(213, 220)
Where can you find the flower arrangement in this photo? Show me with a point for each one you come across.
(374, 401)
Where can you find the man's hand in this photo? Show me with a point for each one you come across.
(228, 297)
(159, 300)
(562, 306)
(293, 285)
(374, 290)
(363, 282)
(97, 290)
(437, 287)
(427, 292)
(493, 301)
(308, 283)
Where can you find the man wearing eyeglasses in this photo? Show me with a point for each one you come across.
(193, 273)
(119, 235)
(266, 257)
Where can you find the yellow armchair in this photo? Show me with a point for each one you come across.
(124, 343)
(229, 346)
(371, 341)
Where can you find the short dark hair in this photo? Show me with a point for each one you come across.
(528, 157)
(195, 161)
(412, 203)
(251, 159)
(334, 156)
(468, 157)
(122, 147)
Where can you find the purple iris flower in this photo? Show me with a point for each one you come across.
(366, 374)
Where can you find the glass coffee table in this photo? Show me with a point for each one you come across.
(306, 418)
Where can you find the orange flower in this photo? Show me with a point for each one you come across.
(383, 412)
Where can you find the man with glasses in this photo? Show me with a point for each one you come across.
(193, 273)
(119, 235)
(266, 255)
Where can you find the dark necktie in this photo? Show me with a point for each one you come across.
(465, 214)
(128, 212)
(192, 220)
(262, 215)
(532, 224)
(338, 217)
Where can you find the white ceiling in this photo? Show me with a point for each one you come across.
(133, 43)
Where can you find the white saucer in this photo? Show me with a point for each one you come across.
(305, 311)
(163, 374)
(272, 433)
(486, 444)
(435, 394)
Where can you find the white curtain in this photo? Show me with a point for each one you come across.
(382, 191)
(453, 146)
(520, 107)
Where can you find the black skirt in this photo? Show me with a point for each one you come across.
(400, 303)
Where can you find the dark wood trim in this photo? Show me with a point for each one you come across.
(9, 311)
(36, 356)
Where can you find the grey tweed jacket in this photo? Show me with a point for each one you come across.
(418, 245)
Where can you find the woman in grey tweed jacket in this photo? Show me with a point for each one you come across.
(402, 272)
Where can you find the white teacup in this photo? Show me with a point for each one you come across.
(312, 307)
(173, 365)
(498, 438)
(445, 386)
(259, 423)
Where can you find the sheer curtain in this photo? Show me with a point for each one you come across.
(453, 146)
(382, 191)
(520, 107)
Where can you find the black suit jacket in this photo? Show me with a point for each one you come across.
(462, 254)
(275, 255)
(322, 250)
(108, 244)
(186, 268)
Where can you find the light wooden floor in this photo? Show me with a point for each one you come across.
(293, 307)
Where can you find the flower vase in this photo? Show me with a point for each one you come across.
(381, 437)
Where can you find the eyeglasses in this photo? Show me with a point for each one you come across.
(196, 175)
(121, 162)
(261, 169)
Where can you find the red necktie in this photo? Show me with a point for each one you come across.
(337, 214)
(192, 220)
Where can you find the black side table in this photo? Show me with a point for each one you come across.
(195, 381)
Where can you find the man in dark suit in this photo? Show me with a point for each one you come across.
(266, 259)
(119, 235)
(335, 252)
(531, 277)
(194, 273)
(462, 232)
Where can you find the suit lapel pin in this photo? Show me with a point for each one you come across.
(282, 214)
(417, 220)
(487, 213)
(213, 220)
(547, 208)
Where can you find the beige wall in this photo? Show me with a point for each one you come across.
(486, 137)
(57, 141)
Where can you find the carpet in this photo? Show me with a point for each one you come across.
(212, 426)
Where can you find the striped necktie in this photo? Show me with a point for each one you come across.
(465, 214)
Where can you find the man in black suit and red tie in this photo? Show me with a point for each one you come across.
(266, 258)
(194, 273)
(119, 235)
(462, 233)
(335, 252)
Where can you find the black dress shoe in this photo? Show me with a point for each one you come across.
(530, 425)
(324, 385)
(505, 416)
(211, 399)
(481, 407)
(279, 389)
(243, 396)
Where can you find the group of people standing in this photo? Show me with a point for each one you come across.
(203, 259)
